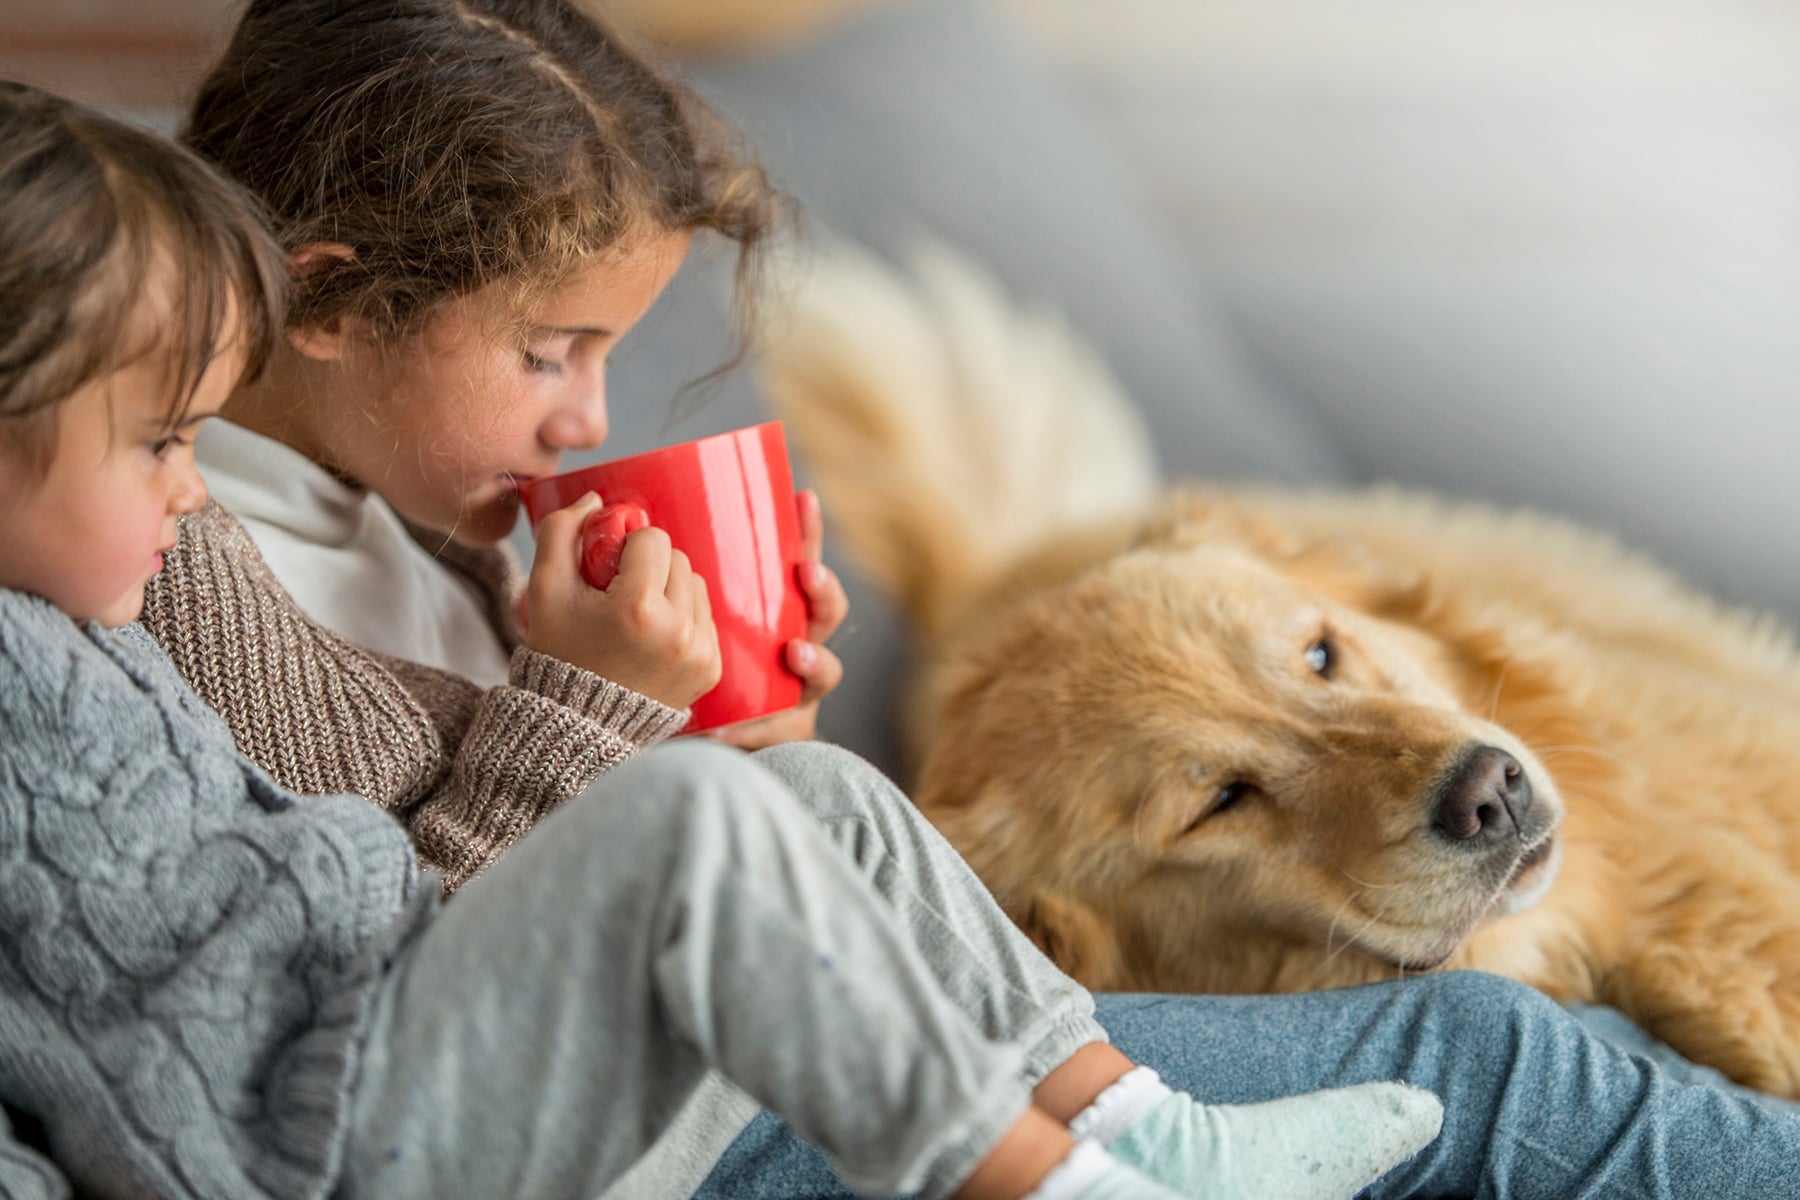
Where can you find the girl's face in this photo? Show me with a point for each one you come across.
(446, 426)
(90, 532)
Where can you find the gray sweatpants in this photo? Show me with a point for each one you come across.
(788, 922)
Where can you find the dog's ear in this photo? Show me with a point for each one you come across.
(1339, 568)
(1342, 569)
(1189, 516)
(1075, 938)
(1353, 576)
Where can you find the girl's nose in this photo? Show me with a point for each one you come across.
(579, 425)
(189, 493)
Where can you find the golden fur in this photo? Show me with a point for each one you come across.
(1229, 742)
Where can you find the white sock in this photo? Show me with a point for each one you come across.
(1090, 1173)
(1319, 1146)
(1118, 1108)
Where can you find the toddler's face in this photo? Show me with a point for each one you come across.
(446, 427)
(90, 532)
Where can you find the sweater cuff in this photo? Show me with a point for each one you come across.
(630, 715)
(381, 844)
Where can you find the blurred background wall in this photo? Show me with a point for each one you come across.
(1545, 251)
(142, 56)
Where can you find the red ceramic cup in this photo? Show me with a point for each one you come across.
(727, 502)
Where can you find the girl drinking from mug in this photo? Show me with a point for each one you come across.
(478, 199)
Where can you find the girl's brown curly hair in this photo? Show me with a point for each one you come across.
(453, 144)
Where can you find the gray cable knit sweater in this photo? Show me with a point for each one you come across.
(188, 955)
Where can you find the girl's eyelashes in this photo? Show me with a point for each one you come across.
(161, 446)
(541, 365)
(550, 351)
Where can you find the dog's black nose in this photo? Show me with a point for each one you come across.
(1484, 796)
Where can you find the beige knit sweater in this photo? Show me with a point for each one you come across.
(467, 771)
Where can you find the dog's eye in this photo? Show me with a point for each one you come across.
(1228, 797)
(1322, 657)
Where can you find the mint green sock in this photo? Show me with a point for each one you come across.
(1090, 1173)
(1320, 1146)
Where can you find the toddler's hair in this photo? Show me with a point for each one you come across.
(454, 144)
(93, 214)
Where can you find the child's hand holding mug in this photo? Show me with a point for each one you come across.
(819, 669)
(650, 630)
(705, 533)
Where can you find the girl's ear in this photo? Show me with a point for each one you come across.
(321, 340)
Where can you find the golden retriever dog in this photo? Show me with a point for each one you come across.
(1252, 740)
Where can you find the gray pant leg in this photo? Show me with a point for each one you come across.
(1006, 985)
(683, 913)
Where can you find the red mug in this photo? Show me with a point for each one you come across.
(727, 502)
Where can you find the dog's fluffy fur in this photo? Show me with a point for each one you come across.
(1238, 740)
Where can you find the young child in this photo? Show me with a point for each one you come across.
(217, 989)
(479, 199)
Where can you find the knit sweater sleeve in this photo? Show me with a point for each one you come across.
(469, 771)
(25, 1174)
(516, 752)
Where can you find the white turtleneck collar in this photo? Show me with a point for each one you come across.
(346, 558)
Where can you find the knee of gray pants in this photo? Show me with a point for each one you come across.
(831, 781)
(682, 789)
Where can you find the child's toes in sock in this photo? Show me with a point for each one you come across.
(1328, 1144)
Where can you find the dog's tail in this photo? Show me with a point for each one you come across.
(949, 432)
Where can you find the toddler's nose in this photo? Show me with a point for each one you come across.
(189, 494)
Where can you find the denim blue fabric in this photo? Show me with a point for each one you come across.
(1537, 1107)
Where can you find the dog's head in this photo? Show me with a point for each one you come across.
(1224, 761)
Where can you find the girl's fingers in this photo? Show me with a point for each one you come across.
(820, 670)
(646, 560)
(679, 587)
(827, 604)
(703, 605)
(812, 525)
(794, 725)
(745, 735)
(557, 560)
(698, 601)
